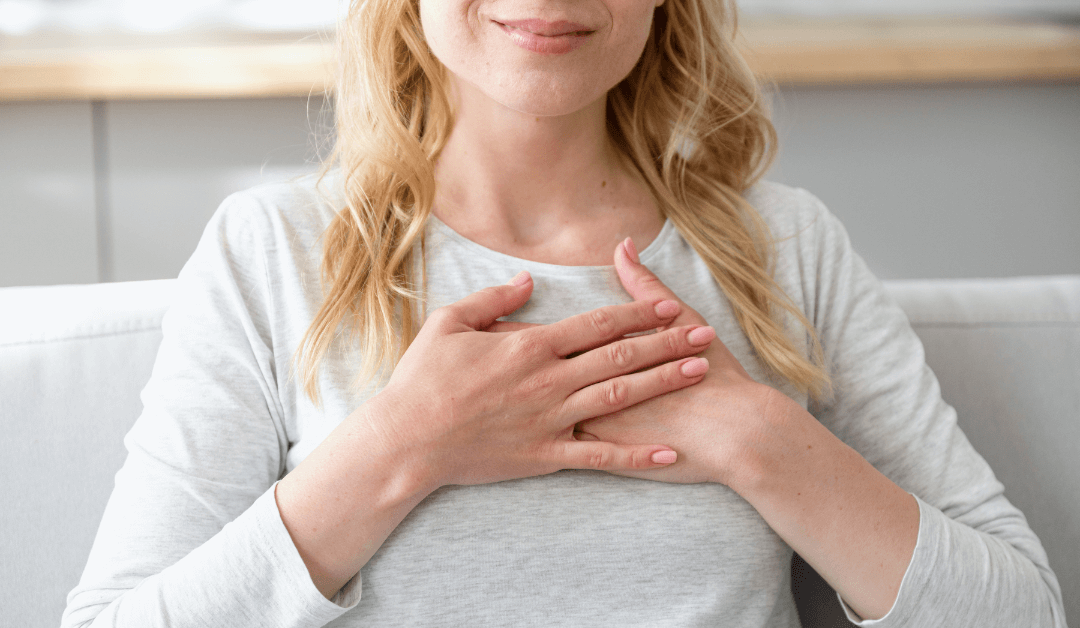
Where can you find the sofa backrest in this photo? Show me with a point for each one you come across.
(72, 362)
(74, 358)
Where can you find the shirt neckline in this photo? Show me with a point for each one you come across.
(518, 263)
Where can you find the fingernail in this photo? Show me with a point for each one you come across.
(519, 279)
(631, 250)
(694, 367)
(665, 457)
(667, 309)
(701, 336)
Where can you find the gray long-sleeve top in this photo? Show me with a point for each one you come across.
(192, 535)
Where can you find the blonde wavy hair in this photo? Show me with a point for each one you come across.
(689, 117)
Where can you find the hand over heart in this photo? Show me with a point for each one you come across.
(713, 425)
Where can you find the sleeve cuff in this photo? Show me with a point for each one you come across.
(290, 584)
(915, 578)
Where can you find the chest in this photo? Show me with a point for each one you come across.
(575, 548)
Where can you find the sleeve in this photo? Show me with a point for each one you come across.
(191, 535)
(976, 562)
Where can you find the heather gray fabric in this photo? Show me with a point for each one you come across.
(191, 535)
(1007, 352)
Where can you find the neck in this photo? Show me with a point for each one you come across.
(514, 177)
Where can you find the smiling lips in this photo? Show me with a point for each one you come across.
(546, 37)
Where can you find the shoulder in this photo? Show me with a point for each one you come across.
(800, 225)
(275, 229)
(788, 211)
(814, 258)
(301, 207)
(264, 243)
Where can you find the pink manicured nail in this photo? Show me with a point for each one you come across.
(701, 335)
(694, 367)
(631, 250)
(665, 457)
(667, 309)
(520, 279)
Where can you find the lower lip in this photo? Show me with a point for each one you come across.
(557, 45)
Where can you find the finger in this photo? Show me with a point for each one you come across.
(480, 309)
(633, 354)
(643, 285)
(636, 278)
(602, 325)
(505, 326)
(624, 391)
(604, 456)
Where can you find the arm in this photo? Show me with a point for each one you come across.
(192, 514)
(813, 490)
(976, 562)
(840, 490)
(198, 532)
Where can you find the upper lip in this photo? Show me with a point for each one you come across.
(545, 28)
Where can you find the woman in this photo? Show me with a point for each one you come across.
(524, 454)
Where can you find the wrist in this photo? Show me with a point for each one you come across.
(342, 501)
(772, 444)
(393, 424)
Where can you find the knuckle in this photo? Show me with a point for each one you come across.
(599, 458)
(602, 321)
(672, 342)
(644, 313)
(616, 392)
(669, 374)
(539, 384)
(524, 344)
(442, 315)
(620, 354)
(649, 280)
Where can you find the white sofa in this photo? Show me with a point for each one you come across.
(74, 358)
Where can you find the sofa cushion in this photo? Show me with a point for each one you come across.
(72, 362)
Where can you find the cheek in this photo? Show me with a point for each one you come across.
(447, 27)
(628, 38)
(638, 29)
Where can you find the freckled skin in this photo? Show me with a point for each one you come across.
(480, 56)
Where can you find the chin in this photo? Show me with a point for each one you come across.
(547, 98)
(545, 108)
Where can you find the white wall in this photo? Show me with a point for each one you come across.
(942, 181)
(47, 206)
(171, 163)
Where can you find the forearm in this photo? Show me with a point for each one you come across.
(161, 558)
(342, 502)
(844, 517)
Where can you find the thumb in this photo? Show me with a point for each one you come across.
(639, 281)
(480, 310)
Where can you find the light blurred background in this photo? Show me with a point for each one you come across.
(124, 123)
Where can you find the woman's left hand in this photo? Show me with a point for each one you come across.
(814, 491)
(717, 427)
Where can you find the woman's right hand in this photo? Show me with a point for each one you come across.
(470, 403)
(475, 406)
